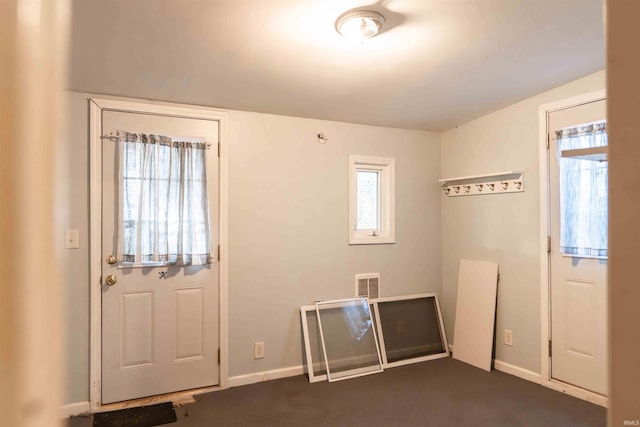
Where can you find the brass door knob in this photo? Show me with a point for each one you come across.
(111, 259)
(110, 280)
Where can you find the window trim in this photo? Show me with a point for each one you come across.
(386, 167)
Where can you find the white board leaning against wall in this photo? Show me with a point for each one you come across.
(475, 313)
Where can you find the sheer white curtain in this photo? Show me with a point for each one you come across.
(583, 193)
(164, 206)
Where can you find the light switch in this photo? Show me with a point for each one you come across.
(71, 239)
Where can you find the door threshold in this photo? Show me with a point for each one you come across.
(179, 398)
(577, 392)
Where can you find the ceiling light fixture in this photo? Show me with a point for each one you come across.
(359, 25)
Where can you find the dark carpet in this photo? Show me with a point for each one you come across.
(144, 416)
(442, 392)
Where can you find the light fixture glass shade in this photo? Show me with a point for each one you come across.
(359, 25)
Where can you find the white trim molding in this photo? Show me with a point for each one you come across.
(555, 385)
(96, 107)
(258, 377)
(577, 392)
(545, 303)
(561, 387)
(516, 371)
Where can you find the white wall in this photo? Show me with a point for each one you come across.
(504, 228)
(288, 205)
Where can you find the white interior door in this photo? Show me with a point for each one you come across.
(578, 283)
(159, 323)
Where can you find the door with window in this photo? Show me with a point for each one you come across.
(159, 254)
(578, 193)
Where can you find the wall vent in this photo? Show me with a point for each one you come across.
(368, 285)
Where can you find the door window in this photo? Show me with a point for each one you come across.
(164, 207)
(583, 191)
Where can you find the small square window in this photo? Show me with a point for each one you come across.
(371, 200)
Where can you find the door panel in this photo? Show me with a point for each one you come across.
(188, 319)
(159, 323)
(578, 284)
(137, 329)
(579, 318)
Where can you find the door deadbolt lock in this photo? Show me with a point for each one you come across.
(110, 280)
(111, 259)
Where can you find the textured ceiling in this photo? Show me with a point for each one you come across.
(437, 63)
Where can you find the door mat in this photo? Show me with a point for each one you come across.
(145, 416)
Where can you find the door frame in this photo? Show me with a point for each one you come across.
(96, 107)
(545, 277)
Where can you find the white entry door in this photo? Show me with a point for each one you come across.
(159, 322)
(577, 192)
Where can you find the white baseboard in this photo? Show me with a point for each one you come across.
(514, 370)
(577, 392)
(83, 408)
(517, 371)
(74, 409)
(257, 377)
(558, 386)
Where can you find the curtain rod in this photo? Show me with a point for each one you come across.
(115, 138)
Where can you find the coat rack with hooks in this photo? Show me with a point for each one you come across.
(493, 183)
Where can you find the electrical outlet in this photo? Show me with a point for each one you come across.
(508, 337)
(258, 350)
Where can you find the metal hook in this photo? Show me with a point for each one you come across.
(491, 186)
(456, 188)
(505, 184)
(479, 187)
(467, 188)
(518, 184)
(162, 274)
(322, 138)
(446, 191)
